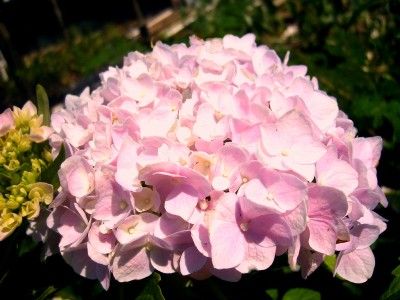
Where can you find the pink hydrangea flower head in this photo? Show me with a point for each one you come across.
(192, 152)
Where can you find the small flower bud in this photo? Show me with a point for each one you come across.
(30, 209)
(8, 223)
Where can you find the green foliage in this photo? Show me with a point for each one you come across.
(50, 175)
(330, 262)
(273, 293)
(46, 293)
(152, 290)
(229, 16)
(301, 293)
(43, 104)
(396, 271)
(63, 65)
(393, 292)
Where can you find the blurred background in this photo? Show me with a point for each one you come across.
(351, 46)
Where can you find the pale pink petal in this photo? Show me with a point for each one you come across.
(365, 235)
(356, 266)
(289, 191)
(6, 121)
(103, 274)
(182, 201)
(191, 261)
(29, 108)
(323, 109)
(156, 122)
(268, 230)
(336, 173)
(326, 200)
(263, 59)
(257, 193)
(76, 176)
(309, 261)
(167, 225)
(308, 152)
(79, 260)
(296, 219)
(40, 134)
(161, 260)
(76, 135)
(112, 204)
(322, 235)
(132, 264)
(101, 242)
(127, 169)
(135, 227)
(226, 238)
(277, 191)
(305, 170)
(220, 183)
(367, 150)
(226, 209)
(97, 256)
(257, 258)
(201, 239)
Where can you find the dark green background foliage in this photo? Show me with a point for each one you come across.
(351, 46)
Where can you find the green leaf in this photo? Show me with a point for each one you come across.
(152, 290)
(26, 245)
(393, 292)
(46, 293)
(66, 293)
(330, 262)
(273, 293)
(50, 175)
(353, 289)
(43, 104)
(301, 293)
(396, 271)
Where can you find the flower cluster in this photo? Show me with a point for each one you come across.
(212, 159)
(23, 157)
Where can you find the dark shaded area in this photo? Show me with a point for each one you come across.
(33, 24)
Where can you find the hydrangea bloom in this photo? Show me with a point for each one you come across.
(212, 159)
(23, 158)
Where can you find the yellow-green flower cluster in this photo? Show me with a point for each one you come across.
(24, 155)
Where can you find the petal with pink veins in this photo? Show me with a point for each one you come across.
(226, 237)
(131, 264)
(191, 261)
(257, 258)
(356, 266)
(162, 260)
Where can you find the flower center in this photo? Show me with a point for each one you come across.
(285, 152)
(123, 204)
(244, 226)
(270, 197)
(131, 230)
(203, 204)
